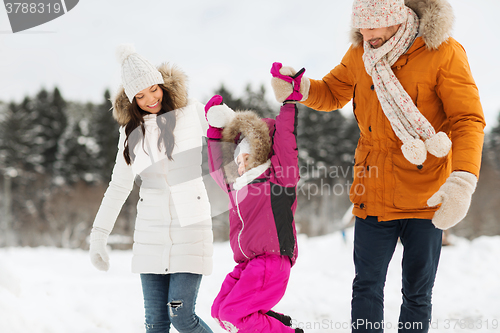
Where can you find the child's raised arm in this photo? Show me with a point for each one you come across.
(218, 116)
(289, 87)
(285, 157)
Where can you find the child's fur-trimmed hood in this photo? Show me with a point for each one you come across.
(436, 22)
(175, 82)
(257, 131)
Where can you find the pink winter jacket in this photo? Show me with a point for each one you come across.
(261, 213)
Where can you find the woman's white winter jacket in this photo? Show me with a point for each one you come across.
(173, 229)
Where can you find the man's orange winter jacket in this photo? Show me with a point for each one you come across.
(442, 87)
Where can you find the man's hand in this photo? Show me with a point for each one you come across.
(455, 198)
(288, 85)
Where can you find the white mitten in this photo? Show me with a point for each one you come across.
(455, 197)
(283, 89)
(98, 254)
(220, 115)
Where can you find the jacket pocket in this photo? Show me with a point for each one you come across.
(424, 95)
(152, 206)
(191, 202)
(429, 104)
(358, 188)
(414, 185)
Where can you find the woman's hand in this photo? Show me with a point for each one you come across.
(98, 253)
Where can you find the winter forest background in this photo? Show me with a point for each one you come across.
(56, 158)
(58, 143)
(58, 146)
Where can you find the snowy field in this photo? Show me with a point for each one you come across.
(49, 290)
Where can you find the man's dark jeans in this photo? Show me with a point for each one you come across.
(374, 244)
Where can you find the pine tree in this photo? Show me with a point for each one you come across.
(256, 100)
(78, 150)
(48, 125)
(21, 164)
(326, 139)
(104, 130)
(229, 100)
(13, 149)
(16, 134)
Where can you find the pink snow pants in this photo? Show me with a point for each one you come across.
(251, 290)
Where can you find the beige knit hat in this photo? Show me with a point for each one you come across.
(137, 72)
(372, 14)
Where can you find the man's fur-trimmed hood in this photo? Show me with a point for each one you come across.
(436, 22)
(175, 82)
(257, 131)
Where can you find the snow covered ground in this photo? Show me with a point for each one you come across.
(49, 290)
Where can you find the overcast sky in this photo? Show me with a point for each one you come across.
(214, 42)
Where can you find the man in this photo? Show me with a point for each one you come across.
(419, 152)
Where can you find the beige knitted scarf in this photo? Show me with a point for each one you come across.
(409, 125)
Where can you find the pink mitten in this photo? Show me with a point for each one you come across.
(213, 132)
(215, 100)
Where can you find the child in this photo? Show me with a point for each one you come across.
(262, 192)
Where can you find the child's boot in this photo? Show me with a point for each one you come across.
(286, 320)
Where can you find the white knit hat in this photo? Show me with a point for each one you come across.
(137, 72)
(373, 14)
(242, 148)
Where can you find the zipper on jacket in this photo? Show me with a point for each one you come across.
(242, 225)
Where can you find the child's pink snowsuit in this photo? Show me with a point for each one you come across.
(262, 231)
(249, 291)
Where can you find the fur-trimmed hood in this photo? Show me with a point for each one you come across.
(436, 22)
(258, 131)
(175, 82)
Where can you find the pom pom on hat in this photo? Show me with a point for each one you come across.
(123, 52)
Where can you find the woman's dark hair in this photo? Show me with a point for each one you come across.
(165, 123)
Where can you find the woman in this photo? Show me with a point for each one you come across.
(160, 148)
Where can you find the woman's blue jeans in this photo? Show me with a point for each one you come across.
(374, 244)
(170, 299)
